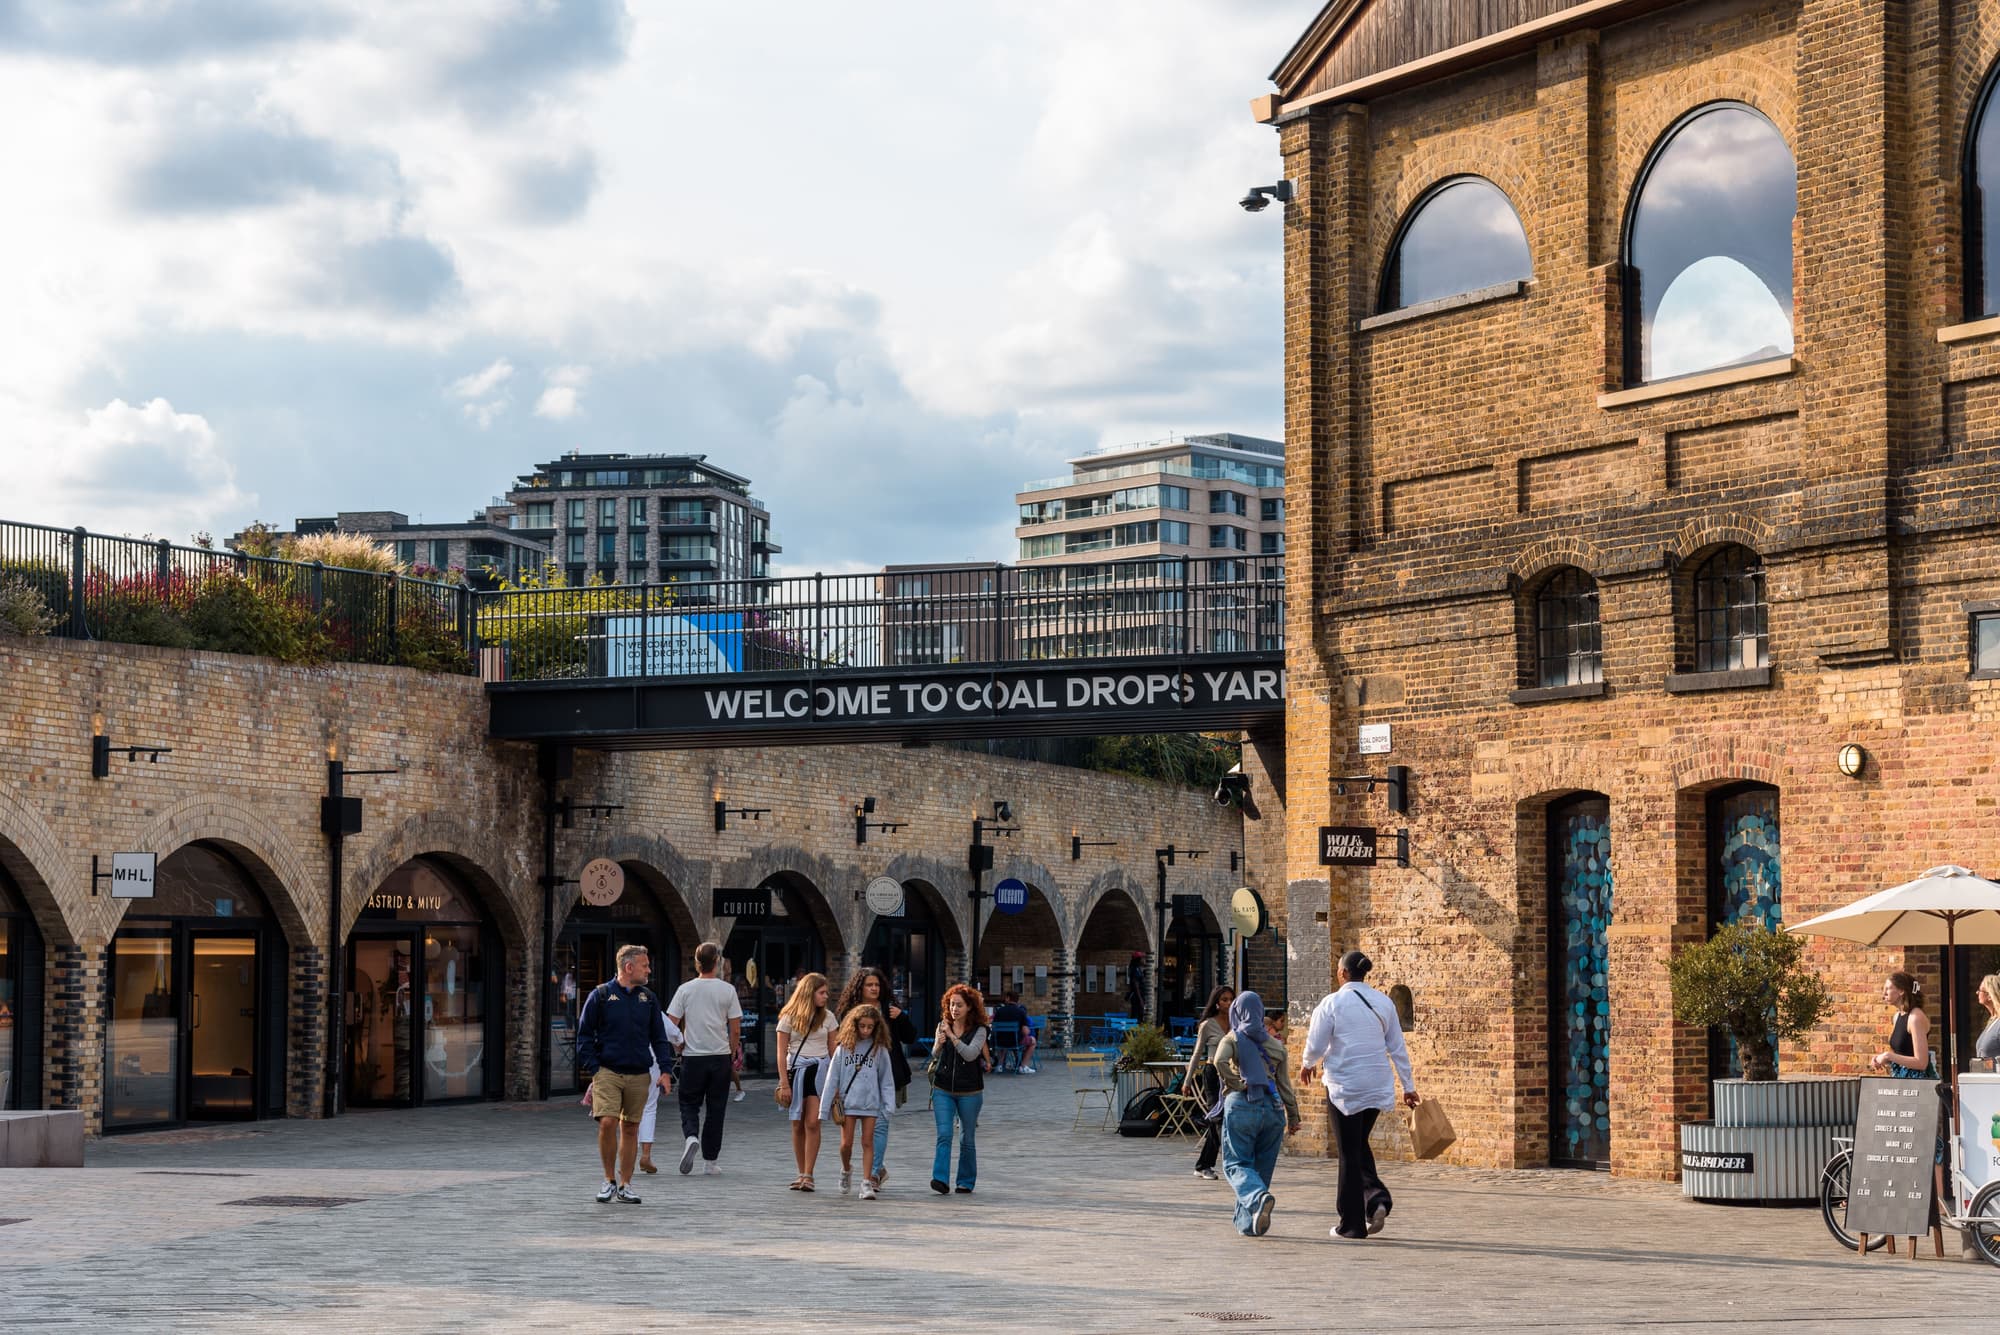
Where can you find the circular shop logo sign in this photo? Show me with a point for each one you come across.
(885, 897)
(603, 881)
(1246, 911)
(1011, 895)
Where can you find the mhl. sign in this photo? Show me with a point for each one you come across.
(1346, 846)
(1003, 693)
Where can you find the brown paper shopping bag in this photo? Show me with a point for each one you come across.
(1430, 1130)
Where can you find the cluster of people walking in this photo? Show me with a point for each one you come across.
(1354, 1048)
(847, 1063)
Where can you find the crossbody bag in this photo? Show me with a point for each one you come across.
(840, 1097)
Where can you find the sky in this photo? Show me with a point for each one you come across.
(889, 260)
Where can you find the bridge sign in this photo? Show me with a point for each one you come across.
(1010, 896)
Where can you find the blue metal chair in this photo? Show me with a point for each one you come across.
(1006, 1046)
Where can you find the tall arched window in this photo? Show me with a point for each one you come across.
(1982, 182)
(1731, 621)
(1568, 647)
(1461, 236)
(1708, 247)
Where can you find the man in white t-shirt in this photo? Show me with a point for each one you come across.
(708, 1014)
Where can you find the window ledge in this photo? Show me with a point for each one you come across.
(1479, 296)
(1983, 674)
(1686, 683)
(1692, 384)
(1971, 329)
(1534, 695)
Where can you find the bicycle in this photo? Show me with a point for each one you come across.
(1980, 1222)
(1833, 1184)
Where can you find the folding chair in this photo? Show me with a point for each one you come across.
(1090, 1066)
(1184, 1114)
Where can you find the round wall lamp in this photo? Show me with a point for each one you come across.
(1851, 760)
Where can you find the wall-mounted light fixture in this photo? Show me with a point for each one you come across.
(101, 749)
(1852, 760)
(723, 811)
(1397, 781)
(1077, 843)
(566, 811)
(1003, 812)
(862, 825)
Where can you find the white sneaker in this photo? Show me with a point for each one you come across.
(1262, 1223)
(606, 1192)
(1205, 1173)
(736, 1096)
(867, 1191)
(710, 1168)
(688, 1152)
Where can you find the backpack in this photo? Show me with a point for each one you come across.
(1145, 1113)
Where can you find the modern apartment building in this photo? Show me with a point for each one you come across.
(944, 613)
(1170, 530)
(485, 548)
(645, 518)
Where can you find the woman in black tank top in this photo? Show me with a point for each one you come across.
(1909, 1052)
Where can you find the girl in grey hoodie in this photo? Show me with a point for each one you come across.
(861, 1085)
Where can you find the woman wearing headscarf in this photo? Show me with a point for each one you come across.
(1259, 1108)
(1355, 1034)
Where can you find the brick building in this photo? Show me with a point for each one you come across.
(1641, 367)
(208, 1000)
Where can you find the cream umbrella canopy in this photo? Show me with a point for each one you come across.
(1946, 906)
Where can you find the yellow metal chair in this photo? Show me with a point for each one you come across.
(1184, 1113)
(1090, 1066)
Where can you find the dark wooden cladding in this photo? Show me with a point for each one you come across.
(1388, 33)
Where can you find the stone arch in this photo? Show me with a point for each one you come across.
(32, 856)
(1700, 536)
(1113, 880)
(1112, 924)
(1546, 554)
(665, 873)
(1468, 152)
(451, 842)
(1647, 113)
(1033, 936)
(824, 886)
(946, 886)
(1975, 58)
(262, 849)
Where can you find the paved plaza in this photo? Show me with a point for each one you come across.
(481, 1218)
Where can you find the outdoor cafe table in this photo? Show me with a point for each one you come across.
(1163, 1072)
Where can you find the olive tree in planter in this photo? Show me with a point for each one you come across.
(1143, 1043)
(1750, 982)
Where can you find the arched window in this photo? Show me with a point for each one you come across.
(1708, 248)
(1730, 618)
(1461, 236)
(1982, 181)
(1568, 648)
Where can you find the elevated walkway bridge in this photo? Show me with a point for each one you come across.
(1163, 644)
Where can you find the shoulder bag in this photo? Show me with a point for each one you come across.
(783, 1094)
(855, 1068)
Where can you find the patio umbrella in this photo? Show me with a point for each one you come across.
(1943, 907)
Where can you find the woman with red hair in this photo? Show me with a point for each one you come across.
(958, 1085)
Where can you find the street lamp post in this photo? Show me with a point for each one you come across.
(979, 859)
(1163, 858)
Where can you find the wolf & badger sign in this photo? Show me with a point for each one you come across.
(999, 693)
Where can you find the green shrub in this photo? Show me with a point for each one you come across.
(230, 614)
(424, 643)
(1748, 981)
(1143, 1043)
(23, 609)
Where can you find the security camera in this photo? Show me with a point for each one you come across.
(1259, 197)
(1233, 790)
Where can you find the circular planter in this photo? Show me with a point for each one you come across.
(1806, 1101)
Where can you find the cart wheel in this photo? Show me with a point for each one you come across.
(1983, 1222)
(1833, 1203)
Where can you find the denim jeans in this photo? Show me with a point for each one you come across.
(965, 1109)
(881, 1143)
(1253, 1131)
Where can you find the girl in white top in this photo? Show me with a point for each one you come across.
(1357, 1038)
(805, 1027)
(863, 1080)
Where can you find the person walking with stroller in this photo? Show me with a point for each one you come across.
(1259, 1110)
(860, 1092)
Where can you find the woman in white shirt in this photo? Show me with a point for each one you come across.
(804, 1027)
(1356, 1036)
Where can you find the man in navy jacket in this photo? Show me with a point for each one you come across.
(620, 1035)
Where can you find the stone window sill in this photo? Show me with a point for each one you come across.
(1458, 301)
(1686, 683)
(1983, 674)
(1970, 330)
(1534, 695)
(1693, 384)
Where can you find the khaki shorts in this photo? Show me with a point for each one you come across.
(620, 1096)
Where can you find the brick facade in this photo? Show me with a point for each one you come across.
(1441, 464)
(251, 741)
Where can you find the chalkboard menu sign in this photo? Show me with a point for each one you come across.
(1895, 1138)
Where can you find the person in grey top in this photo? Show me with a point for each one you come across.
(861, 1084)
(1199, 1079)
(1988, 1049)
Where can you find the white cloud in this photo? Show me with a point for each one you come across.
(482, 383)
(145, 469)
(559, 402)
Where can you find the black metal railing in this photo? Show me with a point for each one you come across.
(91, 586)
(1182, 606)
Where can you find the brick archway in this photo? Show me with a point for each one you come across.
(450, 842)
(263, 850)
(32, 856)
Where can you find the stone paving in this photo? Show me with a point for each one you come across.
(481, 1218)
